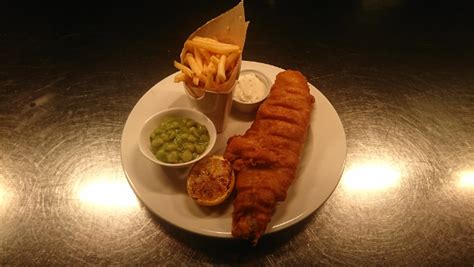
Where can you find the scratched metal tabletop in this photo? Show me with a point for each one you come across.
(400, 75)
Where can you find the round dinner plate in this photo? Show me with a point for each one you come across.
(163, 190)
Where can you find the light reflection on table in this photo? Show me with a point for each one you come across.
(466, 179)
(371, 176)
(106, 190)
(4, 196)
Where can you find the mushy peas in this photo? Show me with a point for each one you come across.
(178, 140)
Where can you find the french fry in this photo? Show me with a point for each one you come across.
(192, 63)
(215, 60)
(218, 48)
(207, 61)
(180, 77)
(202, 77)
(197, 57)
(205, 54)
(184, 69)
(208, 81)
(206, 40)
(231, 59)
(211, 68)
(196, 80)
(221, 69)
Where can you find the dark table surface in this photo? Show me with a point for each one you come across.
(399, 73)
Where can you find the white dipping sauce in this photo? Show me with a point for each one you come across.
(249, 88)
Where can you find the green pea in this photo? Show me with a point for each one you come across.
(200, 148)
(201, 129)
(193, 130)
(172, 157)
(171, 147)
(192, 138)
(186, 155)
(190, 123)
(165, 137)
(171, 134)
(189, 146)
(174, 125)
(204, 138)
(178, 139)
(157, 142)
(161, 155)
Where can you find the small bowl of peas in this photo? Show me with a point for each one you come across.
(177, 137)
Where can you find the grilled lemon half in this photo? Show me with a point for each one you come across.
(211, 181)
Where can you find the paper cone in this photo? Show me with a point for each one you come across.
(229, 27)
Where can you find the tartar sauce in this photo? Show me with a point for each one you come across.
(249, 88)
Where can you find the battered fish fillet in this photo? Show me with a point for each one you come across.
(266, 157)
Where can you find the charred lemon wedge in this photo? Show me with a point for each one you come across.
(211, 181)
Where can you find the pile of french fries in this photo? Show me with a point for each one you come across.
(207, 61)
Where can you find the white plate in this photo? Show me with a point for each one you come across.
(163, 190)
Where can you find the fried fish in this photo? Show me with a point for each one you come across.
(266, 157)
